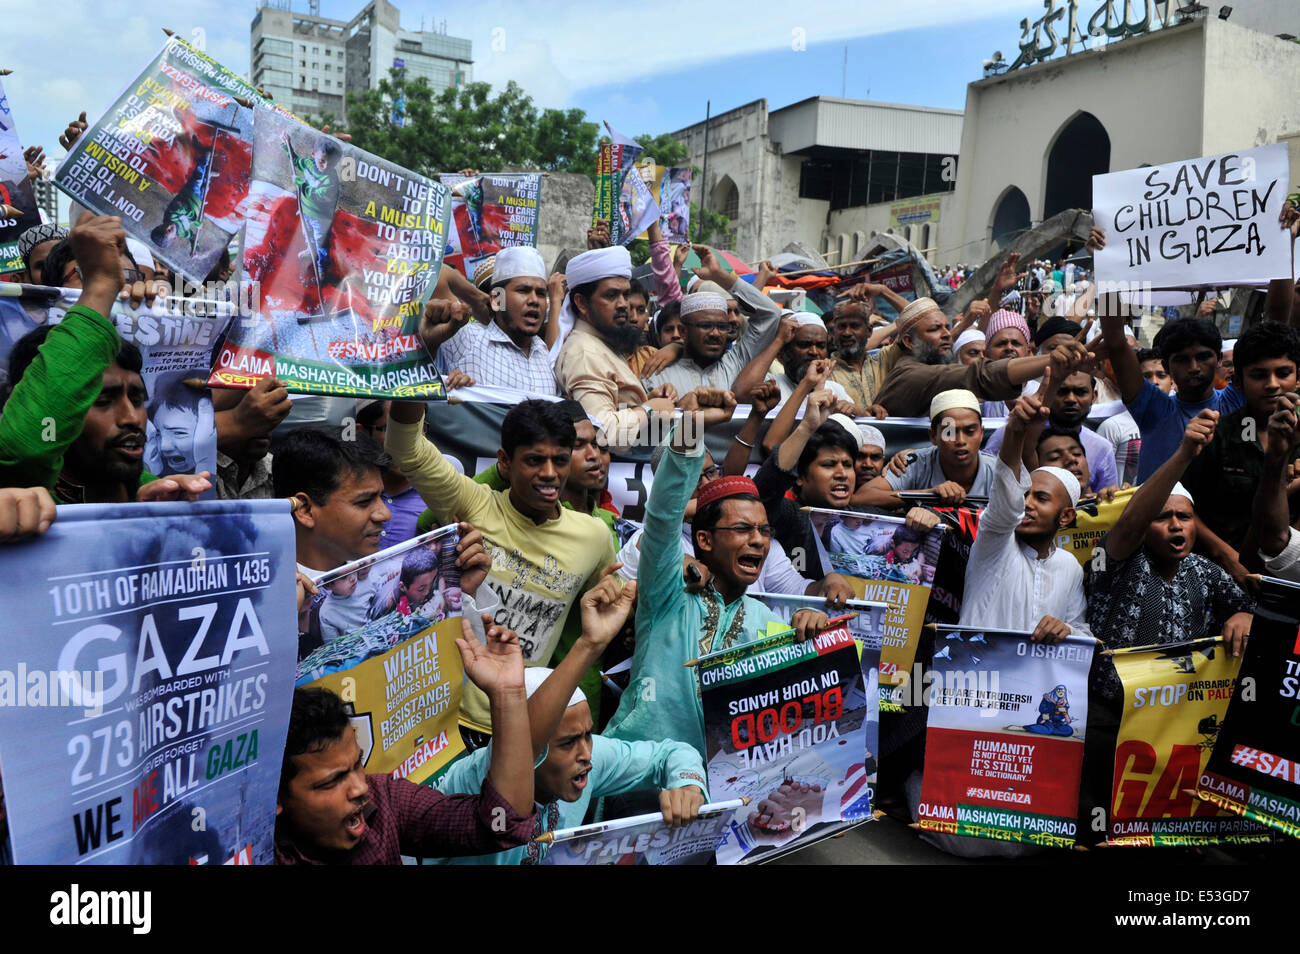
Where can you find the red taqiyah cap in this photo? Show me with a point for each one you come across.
(724, 487)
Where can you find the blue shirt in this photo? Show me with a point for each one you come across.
(1162, 419)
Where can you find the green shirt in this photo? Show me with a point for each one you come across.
(47, 410)
(318, 192)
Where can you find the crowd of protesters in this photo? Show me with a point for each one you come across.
(1038, 396)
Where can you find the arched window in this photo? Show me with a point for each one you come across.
(1081, 150)
(1010, 217)
(726, 198)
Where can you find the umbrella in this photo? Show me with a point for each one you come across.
(730, 261)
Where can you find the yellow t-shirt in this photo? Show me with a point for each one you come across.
(538, 571)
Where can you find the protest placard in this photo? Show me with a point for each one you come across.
(643, 840)
(1196, 223)
(1093, 519)
(175, 338)
(1254, 769)
(346, 248)
(490, 212)
(1175, 698)
(172, 157)
(382, 633)
(786, 724)
(145, 683)
(671, 188)
(1004, 737)
(885, 562)
(15, 190)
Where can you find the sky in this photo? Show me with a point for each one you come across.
(648, 76)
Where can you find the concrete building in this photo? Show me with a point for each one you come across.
(1177, 81)
(309, 63)
(1035, 136)
(783, 176)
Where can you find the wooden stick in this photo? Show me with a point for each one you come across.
(169, 32)
(5, 72)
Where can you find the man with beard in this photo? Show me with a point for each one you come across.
(75, 419)
(1068, 411)
(709, 361)
(732, 536)
(591, 366)
(926, 366)
(808, 344)
(860, 365)
(1017, 578)
(508, 352)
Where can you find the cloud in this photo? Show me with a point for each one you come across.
(554, 51)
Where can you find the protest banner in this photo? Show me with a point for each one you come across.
(671, 188)
(145, 683)
(1254, 769)
(489, 213)
(635, 208)
(382, 634)
(642, 840)
(15, 191)
(1004, 737)
(172, 157)
(468, 431)
(786, 724)
(1175, 698)
(1093, 519)
(175, 338)
(346, 248)
(864, 626)
(949, 587)
(603, 204)
(885, 562)
(1197, 223)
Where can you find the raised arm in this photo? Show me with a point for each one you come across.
(816, 411)
(764, 397)
(498, 669)
(66, 376)
(755, 372)
(813, 381)
(605, 608)
(1027, 412)
(1125, 538)
(1272, 513)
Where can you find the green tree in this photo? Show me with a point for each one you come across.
(468, 128)
(668, 151)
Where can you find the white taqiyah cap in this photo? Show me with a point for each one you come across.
(518, 261)
(957, 397)
(1067, 480)
(871, 436)
(534, 676)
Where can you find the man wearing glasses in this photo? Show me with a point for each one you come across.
(731, 535)
(707, 362)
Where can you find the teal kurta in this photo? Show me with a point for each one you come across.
(662, 700)
(616, 768)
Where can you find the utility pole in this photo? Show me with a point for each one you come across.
(699, 228)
